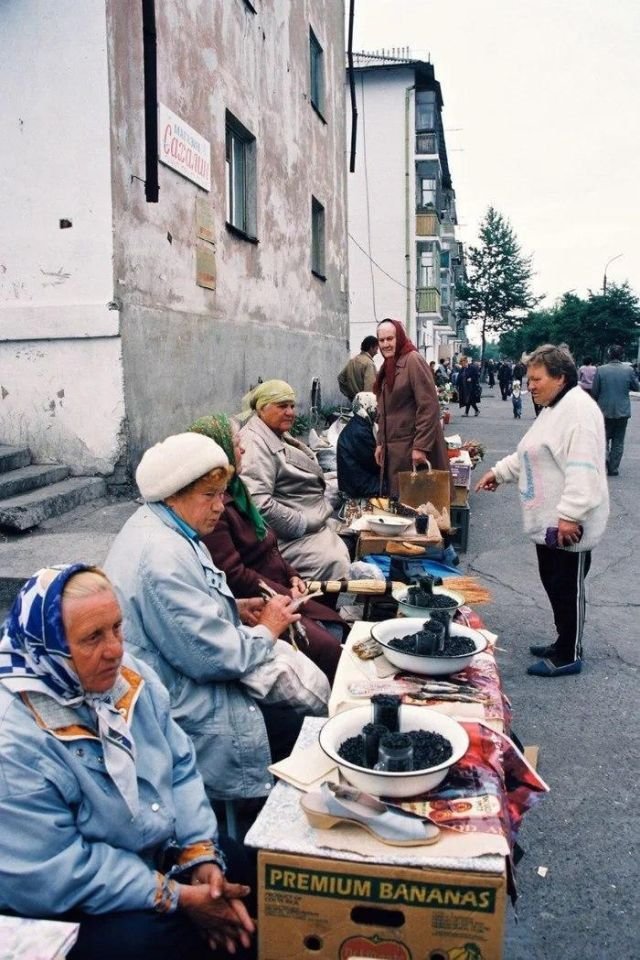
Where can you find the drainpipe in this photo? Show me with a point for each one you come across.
(149, 51)
(410, 307)
(352, 90)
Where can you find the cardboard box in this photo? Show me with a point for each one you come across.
(339, 910)
(461, 473)
(460, 497)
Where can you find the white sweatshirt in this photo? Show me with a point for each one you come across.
(560, 466)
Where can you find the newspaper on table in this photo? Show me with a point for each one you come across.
(23, 939)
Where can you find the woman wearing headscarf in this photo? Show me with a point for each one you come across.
(409, 430)
(288, 486)
(182, 619)
(247, 550)
(358, 472)
(104, 816)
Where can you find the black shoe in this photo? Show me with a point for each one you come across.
(542, 649)
(612, 473)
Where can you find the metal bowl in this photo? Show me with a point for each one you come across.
(411, 610)
(430, 666)
(384, 783)
(388, 526)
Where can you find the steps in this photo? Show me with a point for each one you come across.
(32, 493)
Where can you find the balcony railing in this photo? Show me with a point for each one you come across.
(427, 224)
(426, 143)
(427, 300)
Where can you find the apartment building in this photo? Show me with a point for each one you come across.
(404, 259)
(174, 216)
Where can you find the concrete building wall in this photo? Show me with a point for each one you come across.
(377, 203)
(189, 350)
(61, 386)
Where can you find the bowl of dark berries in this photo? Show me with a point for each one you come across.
(393, 750)
(424, 595)
(435, 647)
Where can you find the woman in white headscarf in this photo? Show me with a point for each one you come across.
(358, 472)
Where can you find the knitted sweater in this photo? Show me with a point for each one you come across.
(560, 466)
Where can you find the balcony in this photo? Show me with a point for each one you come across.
(426, 143)
(427, 300)
(427, 224)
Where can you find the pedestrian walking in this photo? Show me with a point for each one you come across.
(516, 399)
(360, 372)
(611, 385)
(468, 386)
(560, 470)
(505, 379)
(586, 374)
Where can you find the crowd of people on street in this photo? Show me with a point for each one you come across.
(139, 700)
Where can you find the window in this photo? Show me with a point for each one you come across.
(427, 192)
(316, 73)
(240, 178)
(425, 110)
(317, 239)
(428, 274)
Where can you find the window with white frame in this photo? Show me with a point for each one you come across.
(240, 172)
(317, 238)
(428, 272)
(428, 191)
(316, 73)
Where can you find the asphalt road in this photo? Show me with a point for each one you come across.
(584, 831)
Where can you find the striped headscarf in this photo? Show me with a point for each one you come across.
(35, 658)
(218, 428)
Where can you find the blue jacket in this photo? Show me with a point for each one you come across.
(67, 839)
(358, 472)
(181, 618)
(610, 389)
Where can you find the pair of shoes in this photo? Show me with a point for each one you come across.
(546, 668)
(465, 414)
(404, 549)
(543, 649)
(333, 804)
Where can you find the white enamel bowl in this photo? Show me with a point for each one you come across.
(411, 610)
(386, 630)
(383, 783)
(388, 526)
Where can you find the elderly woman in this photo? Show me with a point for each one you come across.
(409, 430)
(560, 468)
(104, 815)
(358, 472)
(247, 550)
(288, 486)
(182, 619)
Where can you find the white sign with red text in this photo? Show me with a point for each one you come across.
(183, 149)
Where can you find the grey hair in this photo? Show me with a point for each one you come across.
(557, 361)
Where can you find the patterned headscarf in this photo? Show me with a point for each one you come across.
(35, 658)
(271, 391)
(365, 405)
(387, 372)
(218, 427)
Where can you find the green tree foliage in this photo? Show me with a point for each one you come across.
(588, 326)
(496, 291)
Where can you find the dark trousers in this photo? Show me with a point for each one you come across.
(505, 390)
(615, 429)
(137, 934)
(562, 573)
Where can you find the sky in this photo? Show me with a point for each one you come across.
(542, 121)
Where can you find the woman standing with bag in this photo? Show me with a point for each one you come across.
(409, 430)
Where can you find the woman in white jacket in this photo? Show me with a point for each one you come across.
(560, 469)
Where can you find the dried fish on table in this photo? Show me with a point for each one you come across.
(367, 649)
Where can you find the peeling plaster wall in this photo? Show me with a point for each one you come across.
(61, 390)
(188, 350)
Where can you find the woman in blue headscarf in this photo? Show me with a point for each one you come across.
(104, 815)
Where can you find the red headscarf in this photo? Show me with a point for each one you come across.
(387, 372)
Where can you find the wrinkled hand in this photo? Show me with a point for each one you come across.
(298, 588)
(249, 610)
(378, 455)
(568, 533)
(487, 482)
(216, 906)
(418, 456)
(277, 614)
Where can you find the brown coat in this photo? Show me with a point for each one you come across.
(409, 419)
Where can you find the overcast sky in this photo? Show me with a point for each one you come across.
(542, 113)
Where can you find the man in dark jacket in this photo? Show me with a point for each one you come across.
(610, 390)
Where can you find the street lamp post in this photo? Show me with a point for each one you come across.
(606, 267)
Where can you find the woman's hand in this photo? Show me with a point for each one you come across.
(377, 456)
(569, 533)
(216, 905)
(249, 610)
(277, 614)
(298, 588)
(418, 457)
(488, 482)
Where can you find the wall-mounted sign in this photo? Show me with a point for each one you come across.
(205, 225)
(183, 149)
(205, 266)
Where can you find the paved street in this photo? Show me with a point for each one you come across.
(584, 832)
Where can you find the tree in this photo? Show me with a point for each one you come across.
(496, 291)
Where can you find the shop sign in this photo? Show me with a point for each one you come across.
(183, 149)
